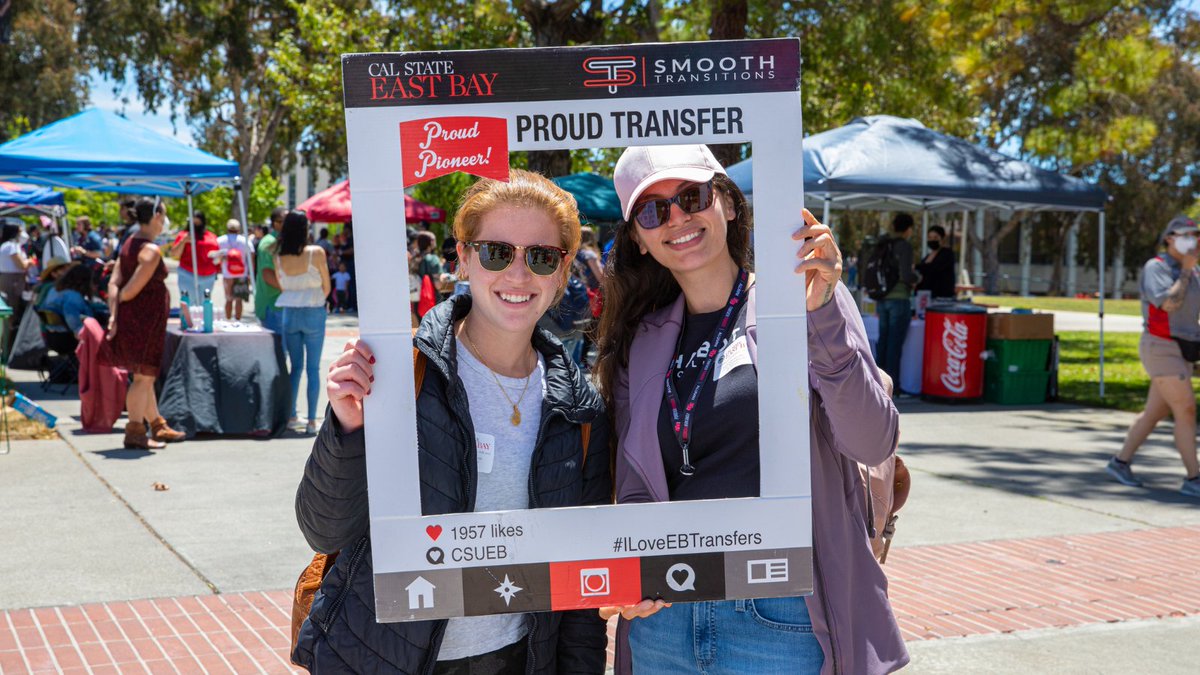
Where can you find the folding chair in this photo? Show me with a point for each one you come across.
(62, 341)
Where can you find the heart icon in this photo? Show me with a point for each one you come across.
(434, 531)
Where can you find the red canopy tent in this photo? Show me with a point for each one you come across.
(332, 205)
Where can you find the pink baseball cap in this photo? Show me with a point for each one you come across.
(642, 166)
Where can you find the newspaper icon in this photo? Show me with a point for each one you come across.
(769, 571)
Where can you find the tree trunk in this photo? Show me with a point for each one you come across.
(1118, 271)
(991, 253)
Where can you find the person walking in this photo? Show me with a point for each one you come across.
(233, 252)
(202, 278)
(487, 372)
(266, 283)
(936, 269)
(303, 277)
(680, 297)
(895, 309)
(138, 305)
(1169, 348)
(14, 267)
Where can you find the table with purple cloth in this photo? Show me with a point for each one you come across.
(224, 383)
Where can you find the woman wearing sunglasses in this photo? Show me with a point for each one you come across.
(502, 410)
(677, 281)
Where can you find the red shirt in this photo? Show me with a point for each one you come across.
(206, 245)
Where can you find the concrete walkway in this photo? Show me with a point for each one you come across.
(1015, 553)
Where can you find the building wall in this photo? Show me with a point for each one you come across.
(303, 181)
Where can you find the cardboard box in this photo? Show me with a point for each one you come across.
(1020, 326)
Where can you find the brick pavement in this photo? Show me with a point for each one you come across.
(938, 591)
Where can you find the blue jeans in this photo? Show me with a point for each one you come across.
(747, 637)
(304, 335)
(894, 317)
(272, 320)
(206, 283)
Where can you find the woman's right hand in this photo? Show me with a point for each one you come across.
(349, 382)
(641, 610)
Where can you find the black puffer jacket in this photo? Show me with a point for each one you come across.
(341, 634)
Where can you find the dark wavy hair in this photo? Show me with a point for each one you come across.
(77, 278)
(145, 208)
(635, 285)
(203, 224)
(293, 236)
(9, 231)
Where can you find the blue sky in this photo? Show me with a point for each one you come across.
(102, 97)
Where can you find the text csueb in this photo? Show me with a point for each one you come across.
(630, 124)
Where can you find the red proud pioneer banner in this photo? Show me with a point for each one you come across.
(440, 146)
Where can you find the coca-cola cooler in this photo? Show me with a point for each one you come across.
(955, 339)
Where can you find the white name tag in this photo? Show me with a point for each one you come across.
(485, 452)
(735, 354)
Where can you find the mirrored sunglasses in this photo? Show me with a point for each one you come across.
(694, 198)
(496, 256)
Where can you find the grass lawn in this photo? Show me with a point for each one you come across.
(1124, 307)
(1125, 382)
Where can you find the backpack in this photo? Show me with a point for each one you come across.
(236, 263)
(574, 311)
(310, 579)
(881, 272)
(887, 487)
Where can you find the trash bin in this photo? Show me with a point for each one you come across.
(955, 335)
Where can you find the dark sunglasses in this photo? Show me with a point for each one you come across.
(692, 199)
(496, 256)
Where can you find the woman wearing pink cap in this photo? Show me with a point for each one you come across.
(679, 279)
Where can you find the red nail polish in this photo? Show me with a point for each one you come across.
(372, 379)
(372, 360)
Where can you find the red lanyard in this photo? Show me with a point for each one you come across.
(683, 422)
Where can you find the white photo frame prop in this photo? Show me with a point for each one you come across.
(413, 116)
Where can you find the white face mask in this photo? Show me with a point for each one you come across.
(1185, 245)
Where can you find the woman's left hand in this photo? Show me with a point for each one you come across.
(820, 260)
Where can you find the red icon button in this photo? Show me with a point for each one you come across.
(584, 584)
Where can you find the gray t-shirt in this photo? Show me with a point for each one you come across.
(1158, 275)
(503, 456)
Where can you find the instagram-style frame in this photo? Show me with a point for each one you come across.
(415, 116)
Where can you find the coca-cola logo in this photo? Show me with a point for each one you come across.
(954, 341)
(436, 147)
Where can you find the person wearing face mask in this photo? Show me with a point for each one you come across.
(1169, 348)
(937, 267)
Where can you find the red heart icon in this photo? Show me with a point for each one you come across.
(434, 531)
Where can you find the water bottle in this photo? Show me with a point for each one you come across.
(185, 312)
(32, 410)
(208, 311)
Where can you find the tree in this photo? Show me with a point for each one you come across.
(41, 77)
(207, 61)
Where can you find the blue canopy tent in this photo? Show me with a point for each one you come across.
(100, 150)
(19, 200)
(885, 163)
(595, 195)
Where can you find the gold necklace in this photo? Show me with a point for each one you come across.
(516, 414)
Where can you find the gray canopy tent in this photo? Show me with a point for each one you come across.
(884, 163)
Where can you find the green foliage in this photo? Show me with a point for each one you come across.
(102, 207)
(219, 205)
(446, 194)
(42, 78)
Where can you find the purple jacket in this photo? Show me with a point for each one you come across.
(853, 420)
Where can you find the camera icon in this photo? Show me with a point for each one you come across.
(594, 582)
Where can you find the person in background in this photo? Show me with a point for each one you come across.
(341, 282)
(450, 255)
(111, 244)
(303, 276)
(346, 255)
(129, 224)
(489, 372)
(1169, 348)
(138, 305)
(589, 268)
(71, 298)
(266, 283)
(233, 252)
(937, 267)
(203, 278)
(680, 297)
(895, 309)
(54, 269)
(14, 265)
(33, 246)
(426, 263)
(53, 246)
(89, 245)
(324, 243)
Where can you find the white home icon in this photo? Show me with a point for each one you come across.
(420, 594)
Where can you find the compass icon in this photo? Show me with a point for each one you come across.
(507, 589)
